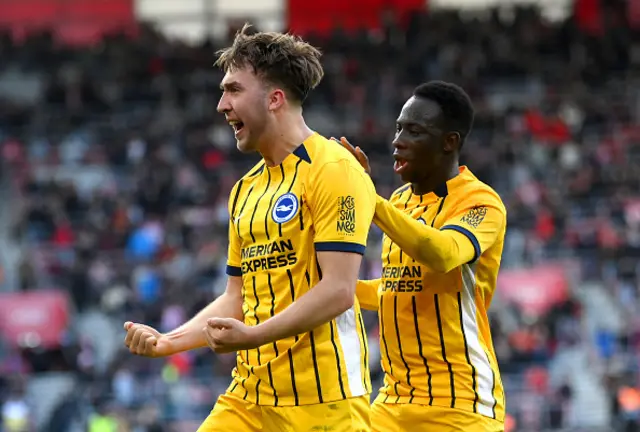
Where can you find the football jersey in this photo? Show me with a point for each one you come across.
(318, 199)
(436, 345)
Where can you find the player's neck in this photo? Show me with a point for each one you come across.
(438, 178)
(284, 137)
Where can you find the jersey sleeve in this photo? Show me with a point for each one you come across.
(481, 220)
(367, 293)
(234, 262)
(342, 204)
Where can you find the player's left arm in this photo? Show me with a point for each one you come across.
(367, 293)
(342, 212)
(464, 236)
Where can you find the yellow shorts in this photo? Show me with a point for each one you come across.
(424, 418)
(232, 414)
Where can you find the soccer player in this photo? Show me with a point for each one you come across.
(441, 254)
(299, 221)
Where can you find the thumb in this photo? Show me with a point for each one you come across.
(128, 325)
(219, 323)
(153, 340)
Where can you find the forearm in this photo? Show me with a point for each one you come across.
(442, 251)
(189, 335)
(321, 304)
(367, 293)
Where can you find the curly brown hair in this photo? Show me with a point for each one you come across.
(283, 60)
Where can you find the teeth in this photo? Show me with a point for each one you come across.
(235, 124)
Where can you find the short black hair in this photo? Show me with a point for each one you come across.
(455, 103)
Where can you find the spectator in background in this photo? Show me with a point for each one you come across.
(124, 138)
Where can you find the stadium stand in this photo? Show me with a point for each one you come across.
(116, 168)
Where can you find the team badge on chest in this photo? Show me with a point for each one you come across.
(285, 208)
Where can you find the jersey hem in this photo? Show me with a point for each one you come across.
(288, 401)
(436, 402)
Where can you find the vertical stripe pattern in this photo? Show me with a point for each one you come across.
(275, 255)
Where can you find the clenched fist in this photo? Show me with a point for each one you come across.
(146, 341)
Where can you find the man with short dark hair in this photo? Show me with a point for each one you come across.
(296, 239)
(441, 255)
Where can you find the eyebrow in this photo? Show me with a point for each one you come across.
(230, 84)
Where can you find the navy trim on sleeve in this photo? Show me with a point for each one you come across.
(340, 247)
(469, 235)
(234, 271)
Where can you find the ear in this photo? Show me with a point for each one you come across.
(452, 142)
(276, 99)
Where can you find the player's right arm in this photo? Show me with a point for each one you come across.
(367, 293)
(147, 341)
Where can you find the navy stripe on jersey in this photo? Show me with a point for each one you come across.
(242, 209)
(257, 386)
(300, 215)
(293, 378)
(255, 312)
(293, 292)
(466, 352)
(246, 392)
(493, 388)
(289, 353)
(318, 268)
(313, 348)
(406, 203)
(257, 204)
(268, 212)
(365, 357)
(235, 199)
(384, 338)
(406, 365)
(335, 349)
(389, 253)
(469, 235)
(340, 247)
(275, 344)
(315, 365)
(419, 339)
(255, 308)
(257, 170)
(444, 352)
(402, 189)
(438, 212)
(424, 210)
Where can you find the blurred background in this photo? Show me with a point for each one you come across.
(115, 170)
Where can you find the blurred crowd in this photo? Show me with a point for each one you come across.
(118, 169)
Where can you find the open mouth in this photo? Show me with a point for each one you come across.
(237, 126)
(399, 164)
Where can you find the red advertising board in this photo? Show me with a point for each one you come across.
(534, 291)
(322, 16)
(77, 22)
(35, 318)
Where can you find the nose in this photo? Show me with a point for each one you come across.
(398, 143)
(224, 105)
